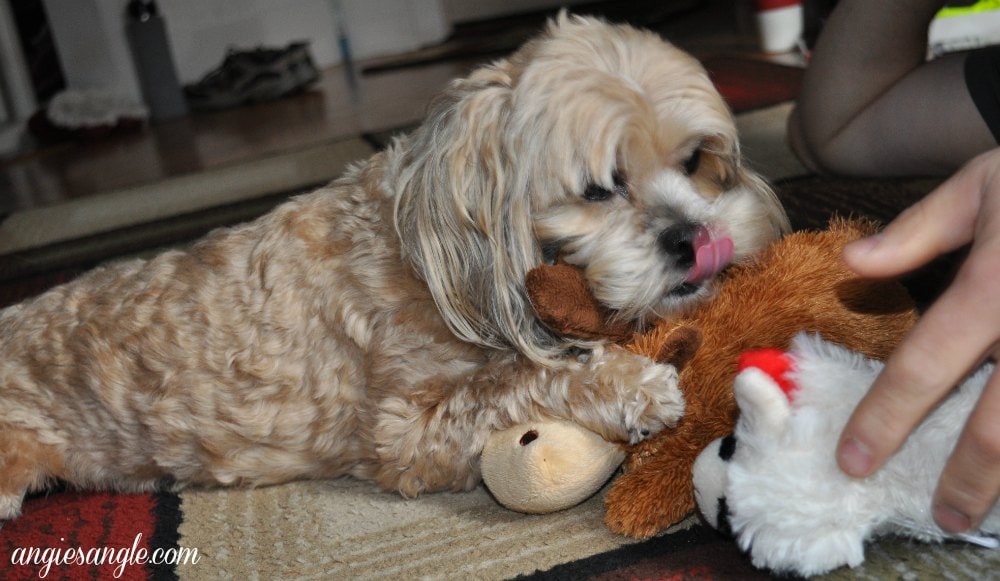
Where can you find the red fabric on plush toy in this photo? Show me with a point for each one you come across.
(773, 362)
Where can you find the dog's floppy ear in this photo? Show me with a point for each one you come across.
(464, 215)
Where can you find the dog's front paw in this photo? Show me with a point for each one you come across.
(655, 402)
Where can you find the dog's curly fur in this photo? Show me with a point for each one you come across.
(379, 327)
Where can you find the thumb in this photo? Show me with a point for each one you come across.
(941, 222)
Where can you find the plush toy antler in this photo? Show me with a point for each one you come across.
(562, 300)
(799, 284)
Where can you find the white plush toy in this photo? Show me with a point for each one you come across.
(775, 485)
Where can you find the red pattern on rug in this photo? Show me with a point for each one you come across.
(73, 523)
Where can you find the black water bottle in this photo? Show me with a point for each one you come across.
(154, 65)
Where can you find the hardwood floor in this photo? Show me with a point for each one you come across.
(332, 110)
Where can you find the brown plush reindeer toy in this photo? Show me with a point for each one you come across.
(799, 284)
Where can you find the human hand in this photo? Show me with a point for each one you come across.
(959, 331)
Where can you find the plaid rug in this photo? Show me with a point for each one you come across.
(77, 535)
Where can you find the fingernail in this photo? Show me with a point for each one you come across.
(951, 520)
(855, 458)
(865, 245)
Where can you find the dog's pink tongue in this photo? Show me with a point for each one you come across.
(711, 255)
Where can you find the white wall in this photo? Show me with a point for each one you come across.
(466, 10)
(90, 38)
(90, 34)
(17, 100)
(381, 27)
(202, 30)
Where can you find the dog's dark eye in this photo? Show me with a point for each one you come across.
(691, 163)
(550, 252)
(598, 193)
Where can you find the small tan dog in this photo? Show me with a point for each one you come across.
(379, 326)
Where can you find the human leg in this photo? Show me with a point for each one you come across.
(872, 105)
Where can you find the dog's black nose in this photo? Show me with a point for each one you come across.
(678, 242)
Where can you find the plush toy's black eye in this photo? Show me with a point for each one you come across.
(598, 193)
(691, 163)
(727, 447)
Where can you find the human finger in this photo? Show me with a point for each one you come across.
(970, 482)
(941, 222)
(945, 344)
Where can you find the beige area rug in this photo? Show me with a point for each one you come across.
(347, 529)
(763, 144)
